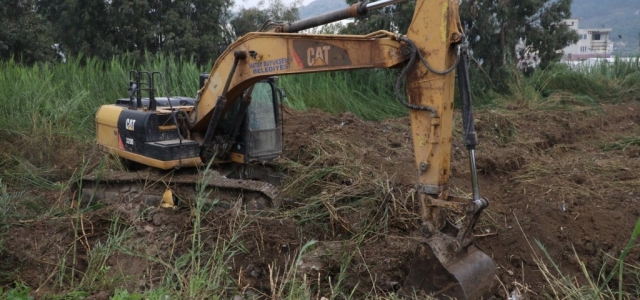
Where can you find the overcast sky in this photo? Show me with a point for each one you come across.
(252, 3)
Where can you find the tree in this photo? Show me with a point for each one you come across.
(189, 28)
(131, 27)
(547, 33)
(209, 21)
(184, 28)
(495, 27)
(80, 26)
(24, 35)
(251, 19)
(394, 18)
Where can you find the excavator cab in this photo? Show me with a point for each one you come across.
(260, 135)
(263, 129)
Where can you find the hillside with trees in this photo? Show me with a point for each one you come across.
(319, 7)
(249, 19)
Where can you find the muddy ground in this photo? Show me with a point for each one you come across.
(566, 178)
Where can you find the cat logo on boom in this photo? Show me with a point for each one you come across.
(317, 54)
(130, 124)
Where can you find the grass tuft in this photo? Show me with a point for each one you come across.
(622, 144)
(620, 282)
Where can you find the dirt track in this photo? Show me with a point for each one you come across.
(566, 178)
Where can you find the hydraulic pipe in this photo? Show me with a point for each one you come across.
(474, 175)
(382, 3)
(355, 10)
(470, 137)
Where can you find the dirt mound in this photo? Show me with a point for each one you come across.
(385, 146)
(567, 179)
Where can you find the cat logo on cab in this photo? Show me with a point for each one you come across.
(130, 124)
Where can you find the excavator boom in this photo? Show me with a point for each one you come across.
(260, 55)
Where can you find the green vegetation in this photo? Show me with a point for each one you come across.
(493, 30)
(46, 117)
(36, 31)
(623, 143)
(49, 96)
(561, 86)
(19, 292)
(609, 284)
(250, 19)
(369, 94)
(48, 109)
(60, 99)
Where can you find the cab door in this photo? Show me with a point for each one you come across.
(263, 129)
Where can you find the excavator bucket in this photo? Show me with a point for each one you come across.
(438, 270)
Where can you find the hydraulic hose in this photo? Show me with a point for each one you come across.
(355, 10)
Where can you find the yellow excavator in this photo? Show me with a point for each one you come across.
(234, 123)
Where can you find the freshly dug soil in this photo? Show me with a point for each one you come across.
(563, 181)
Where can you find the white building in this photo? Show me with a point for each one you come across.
(593, 43)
